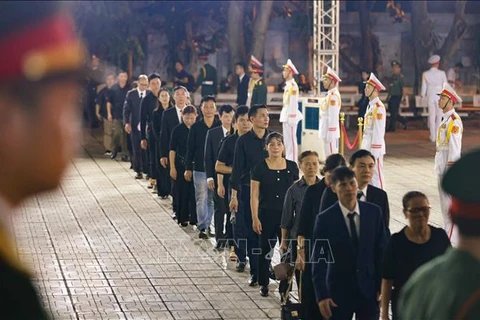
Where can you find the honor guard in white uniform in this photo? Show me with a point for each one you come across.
(449, 147)
(329, 113)
(290, 116)
(374, 128)
(432, 82)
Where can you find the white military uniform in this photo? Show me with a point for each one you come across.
(449, 146)
(329, 121)
(374, 138)
(432, 82)
(290, 116)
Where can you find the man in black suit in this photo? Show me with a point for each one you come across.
(212, 145)
(131, 118)
(362, 163)
(243, 81)
(350, 239)
(170, 119)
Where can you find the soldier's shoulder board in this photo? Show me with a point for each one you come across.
(379, 105)
(259, 83)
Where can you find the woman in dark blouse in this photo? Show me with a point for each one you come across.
(413, 246)
(308, 213)
(184, 190)
(270, 180)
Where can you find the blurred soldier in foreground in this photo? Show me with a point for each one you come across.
(448, 287)
(41, 56)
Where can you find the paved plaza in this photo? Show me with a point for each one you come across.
(104, 247)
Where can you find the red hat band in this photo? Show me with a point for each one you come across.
(376, 85)
(450, 95)
(466, 210)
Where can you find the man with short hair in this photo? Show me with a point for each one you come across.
(448, 286)
(212, 144)
(243, 81)
(101, 112)
(41, 72)
(224, 170)
(330, 113)
(249, 150)
(131, 119)
(449, 149)
(182, 77)
(115, 115)
(432, 82)
(195, 165)
(347, 255)
(374, 128)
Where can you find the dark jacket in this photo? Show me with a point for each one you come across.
(131, 108)
(259, 95)
(212, 147)
(242, 90)
(338, 272)
(169, 121)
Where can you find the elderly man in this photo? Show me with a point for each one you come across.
(39, 132)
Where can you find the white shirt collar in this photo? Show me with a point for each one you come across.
(345, 211)
(241, 77)
(291, 81)
(447, 114)
(334, 89)
(225, 131)
(141, 93)
(375, 100)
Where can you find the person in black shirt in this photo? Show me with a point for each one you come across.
(183, 78)
(407, 250)
(212, 144)
(249, 149)
(270, 181)
(185, 198)
(223, 167)
(196, 162)
(308, 213)
(101, 112)
(115, 113)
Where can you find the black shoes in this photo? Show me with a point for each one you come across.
(125, 158)
(210, 233)
(113, 155)
(264, 291)
(139, 176)
(184, 224)
(203, 235)
(253, 282)
(240, 267)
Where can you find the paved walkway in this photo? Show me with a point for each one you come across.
(104, 247)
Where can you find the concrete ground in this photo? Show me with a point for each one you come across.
(104, 247)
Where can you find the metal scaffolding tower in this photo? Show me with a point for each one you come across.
(326, 37)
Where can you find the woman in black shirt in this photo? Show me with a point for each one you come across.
(184, 190)
(413, 246)
(270, 180)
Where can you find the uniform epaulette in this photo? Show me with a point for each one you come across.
(378, 104)
(453, 116)
(259, 83)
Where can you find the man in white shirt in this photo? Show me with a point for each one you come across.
(452, 75)
(329, 113)
(432, 82)
(290, 116)
(449, 149)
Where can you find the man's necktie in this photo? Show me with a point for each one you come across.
(353, 229)
(359, 194)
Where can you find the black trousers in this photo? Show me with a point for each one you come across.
(153, 163)
(270, 220)
(185, 198)
(221, 212)
(137, 150)
(394, 107)
(309, 300)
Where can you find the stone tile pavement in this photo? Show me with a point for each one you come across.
(104, 247)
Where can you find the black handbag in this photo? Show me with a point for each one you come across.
(290, 310)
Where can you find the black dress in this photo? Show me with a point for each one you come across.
(183, 190)
(273, 188)
(403, 257)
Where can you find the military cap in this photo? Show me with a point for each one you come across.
(434, 59)
(396, 63)
(375, 82)
(448, 91)
(289, 65)
(255, 65)
(461, 182)
(38, 41)
(332, 75)
(208, 98)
